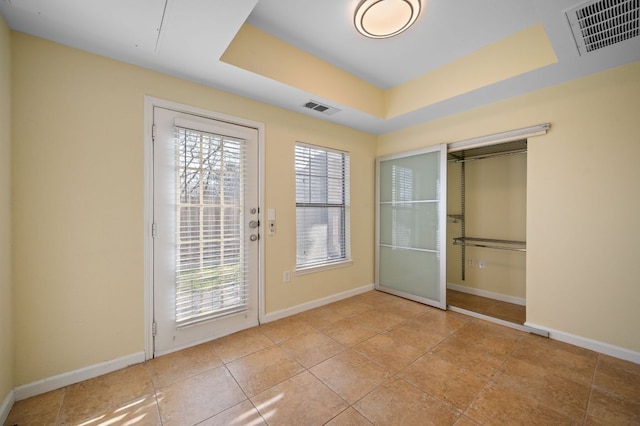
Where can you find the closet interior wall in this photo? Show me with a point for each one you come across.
(486, 194)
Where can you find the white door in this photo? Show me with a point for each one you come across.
(205, 227)
(411, 225)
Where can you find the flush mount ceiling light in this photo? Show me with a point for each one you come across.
(385, 18)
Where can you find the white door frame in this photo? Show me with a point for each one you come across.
(149, 103)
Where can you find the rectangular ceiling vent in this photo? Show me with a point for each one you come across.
(598, 24)
(317, 106)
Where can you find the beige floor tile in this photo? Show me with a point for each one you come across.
(349, 417)
(466, 421)
(470, 357)
(399, 403)
(413, 333)
(618, 377)
(378, 320)
(263, 369)
(300, 400)
(350, 375)
(240, 344)
(183, 364)
(99, 396)
(560, 358)
(444, 380)
(348, 308)
(607, 409)
(563, 395)
(387, 352)
(311, 348)
(616, 363)
(492, 338)
(39, 410)
(318, 317)
(243, 414)
(443, 322)
(348, 331)
(500, 405)
(396, 361)
(405, 308)
(142, 411)
(286, 328)
(195, 399)
(374, 298)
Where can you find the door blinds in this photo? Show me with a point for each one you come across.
(211, 278)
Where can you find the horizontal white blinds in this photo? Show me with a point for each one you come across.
(211, 278)
(322, 206)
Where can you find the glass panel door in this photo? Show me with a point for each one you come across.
(206, 223)
(411, 225)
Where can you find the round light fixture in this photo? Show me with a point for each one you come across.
(385, 18)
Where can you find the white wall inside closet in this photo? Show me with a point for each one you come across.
(495, 208)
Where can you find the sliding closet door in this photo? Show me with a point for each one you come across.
(411, 225)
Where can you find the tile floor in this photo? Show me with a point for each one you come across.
(370, 359)
(483, 305)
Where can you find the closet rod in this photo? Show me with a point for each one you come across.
(483, 157)
(491, 243)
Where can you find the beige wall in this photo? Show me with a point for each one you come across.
(495, 207)
(6, 302)
(78, 169)
(78, 172)
(582, 198)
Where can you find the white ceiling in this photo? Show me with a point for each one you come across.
(186, 39)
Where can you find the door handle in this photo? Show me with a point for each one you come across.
(254, 224)
(254, 237)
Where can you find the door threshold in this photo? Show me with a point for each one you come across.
(494, 320)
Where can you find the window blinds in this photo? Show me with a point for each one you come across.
(322, 206)
(211, 278)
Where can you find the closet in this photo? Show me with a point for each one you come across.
(451, 225)
(486, 230)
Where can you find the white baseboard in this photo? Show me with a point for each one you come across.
(273, 316)
(594, 345)
(484, 293)
(86, 373)
(6, 405)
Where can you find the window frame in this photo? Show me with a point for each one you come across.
(345, 206)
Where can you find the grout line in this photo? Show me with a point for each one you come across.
(593, 384)
(497, 370)
(155, 390)
(64, 396)
(246, 396)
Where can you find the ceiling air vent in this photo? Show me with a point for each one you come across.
(597, 24)
(317, 106)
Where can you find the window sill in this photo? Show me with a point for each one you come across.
(325, 267)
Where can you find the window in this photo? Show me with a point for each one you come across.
(210, 278)
(322, 206)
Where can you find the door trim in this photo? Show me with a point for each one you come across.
(149, 103)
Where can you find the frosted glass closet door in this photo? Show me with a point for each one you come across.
(411, 225)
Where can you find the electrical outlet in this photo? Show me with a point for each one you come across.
(286, 276)
(471, 263)
(482, 264)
